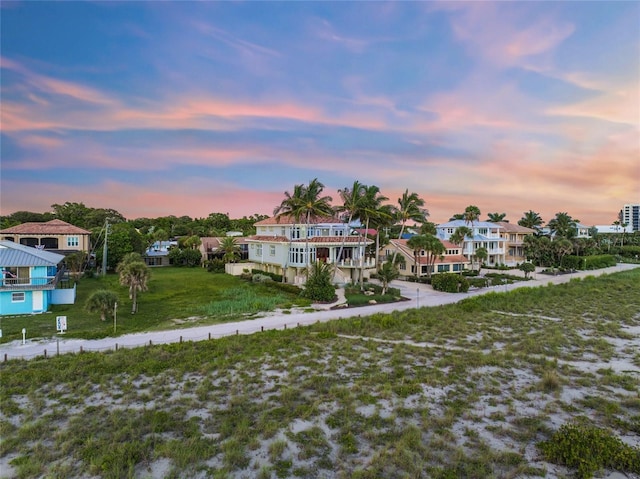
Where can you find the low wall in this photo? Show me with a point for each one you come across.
(236, 269)
(64, 296)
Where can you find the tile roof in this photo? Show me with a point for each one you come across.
(17, 255)
(288, 220)
(314, 240)
(53, 227)
(514, 227)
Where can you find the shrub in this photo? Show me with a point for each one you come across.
(450, 283)
(261, 278)
(273, 276)
(319, 285)
(588, 449)
(215, 265)
(629, 251)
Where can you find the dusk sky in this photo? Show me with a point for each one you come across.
(190, 108)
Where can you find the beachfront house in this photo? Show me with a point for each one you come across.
(484, 235)
(286, 247)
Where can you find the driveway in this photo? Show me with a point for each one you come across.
(418, 295)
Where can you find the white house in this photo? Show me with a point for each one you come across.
(282, 246)
(485, 235)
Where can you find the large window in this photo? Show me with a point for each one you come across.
(259, 250)
(272, 250)
(73, 241)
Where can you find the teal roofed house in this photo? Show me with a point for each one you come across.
(30, 279)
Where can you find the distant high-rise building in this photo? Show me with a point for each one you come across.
(631, 216)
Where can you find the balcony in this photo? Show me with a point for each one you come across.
(36, 283)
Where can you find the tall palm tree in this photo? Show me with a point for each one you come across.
(496, 217)
(471, 214)
(417, 243)
(410, 207)
(532, 220)
(102, 301)
(563, 225)
(372, 209)
(306, 203)
(135, 276)
(352, 199)
(432, 247)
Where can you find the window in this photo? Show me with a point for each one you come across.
(403, 266)
(17, 297)
(482, 231)
(272, 250)
(259, 249)
(457, 267)
(443, 268)
(295, 233)
(73, 241)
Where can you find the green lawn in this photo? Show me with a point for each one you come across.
(177, 297)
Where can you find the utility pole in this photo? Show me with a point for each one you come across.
(104, 247)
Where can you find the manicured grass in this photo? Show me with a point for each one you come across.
(467, 390)
(192, 296)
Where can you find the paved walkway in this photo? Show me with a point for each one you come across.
(418, 295)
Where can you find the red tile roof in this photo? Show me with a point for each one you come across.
(53, 227)
(288, 220)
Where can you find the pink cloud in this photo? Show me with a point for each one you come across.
(492, 31)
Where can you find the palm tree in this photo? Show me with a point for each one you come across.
(561, 248)
(563, 225)
(102, 301)
(134, 275)
(471, 214)
(434, 249)
(230, 248)
(496, 217)
(387, 273)
(417, 243)
(460, 233)
(351, 205)
(372, 208)
(306, 202)
(410, 207)
(532, 220)
(482, 254)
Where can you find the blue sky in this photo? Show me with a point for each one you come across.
(190, 108)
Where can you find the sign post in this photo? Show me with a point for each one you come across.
(24, 336)
(61, 324)
(115, 313)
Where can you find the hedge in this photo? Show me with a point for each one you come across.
(450, 283)
(588, 262)
(273, 276)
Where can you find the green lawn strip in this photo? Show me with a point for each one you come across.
(177, 297)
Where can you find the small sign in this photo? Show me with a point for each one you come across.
(61, 324)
